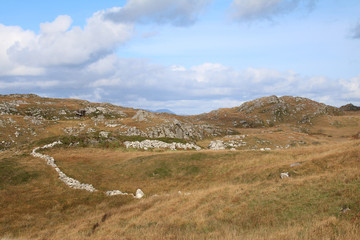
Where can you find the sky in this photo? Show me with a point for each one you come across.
(187, 56)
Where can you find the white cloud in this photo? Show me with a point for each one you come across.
(58, 44)
(61, 24)
(176, 12)
(11, 35)
(246, 10)
(352, 87)
(177, 68)
(104, 65)
(209, 71)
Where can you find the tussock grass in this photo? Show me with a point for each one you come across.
(234, 195)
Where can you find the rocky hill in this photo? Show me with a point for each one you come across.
(27, 117)
(270, 111)
(99, 171)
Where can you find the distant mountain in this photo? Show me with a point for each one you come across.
(164, 111)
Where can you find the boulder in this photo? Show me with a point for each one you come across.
(139, 194)
(217, 145)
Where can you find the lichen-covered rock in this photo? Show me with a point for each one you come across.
(143, 115)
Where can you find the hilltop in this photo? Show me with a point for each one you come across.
(28, 118)
(209, 176)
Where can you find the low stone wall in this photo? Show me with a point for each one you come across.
(155, 144)
(71, 182)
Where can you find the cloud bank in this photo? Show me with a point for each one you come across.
(202, 88)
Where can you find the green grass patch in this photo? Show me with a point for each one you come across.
(12, 173)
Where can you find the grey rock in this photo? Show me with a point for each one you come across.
(217, 145)
(143, 115)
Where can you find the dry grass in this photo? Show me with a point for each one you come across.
(234, 195)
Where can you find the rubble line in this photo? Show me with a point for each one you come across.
(73, 183)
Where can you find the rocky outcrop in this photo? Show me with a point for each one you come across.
(155, 144)
(175, 129)
(221, 145)
(268, 111)
(349, 107)
(90, 110)
(181, 130)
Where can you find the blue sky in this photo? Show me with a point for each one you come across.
(187, 56)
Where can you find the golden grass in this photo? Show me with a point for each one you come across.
(234, 195)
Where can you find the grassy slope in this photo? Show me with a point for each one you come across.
(233, 194)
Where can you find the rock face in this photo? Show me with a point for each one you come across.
(176, 129)
(155, 144)
(181, 130)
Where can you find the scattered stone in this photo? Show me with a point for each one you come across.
(91, 130)
(115, 192)
(112, 125)
(72, 131)
(62, 112)
(344, 209)
(217, 145)
(284, 175)
(265, 149)
(186, 194)
(104, 134)
(295, 164)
